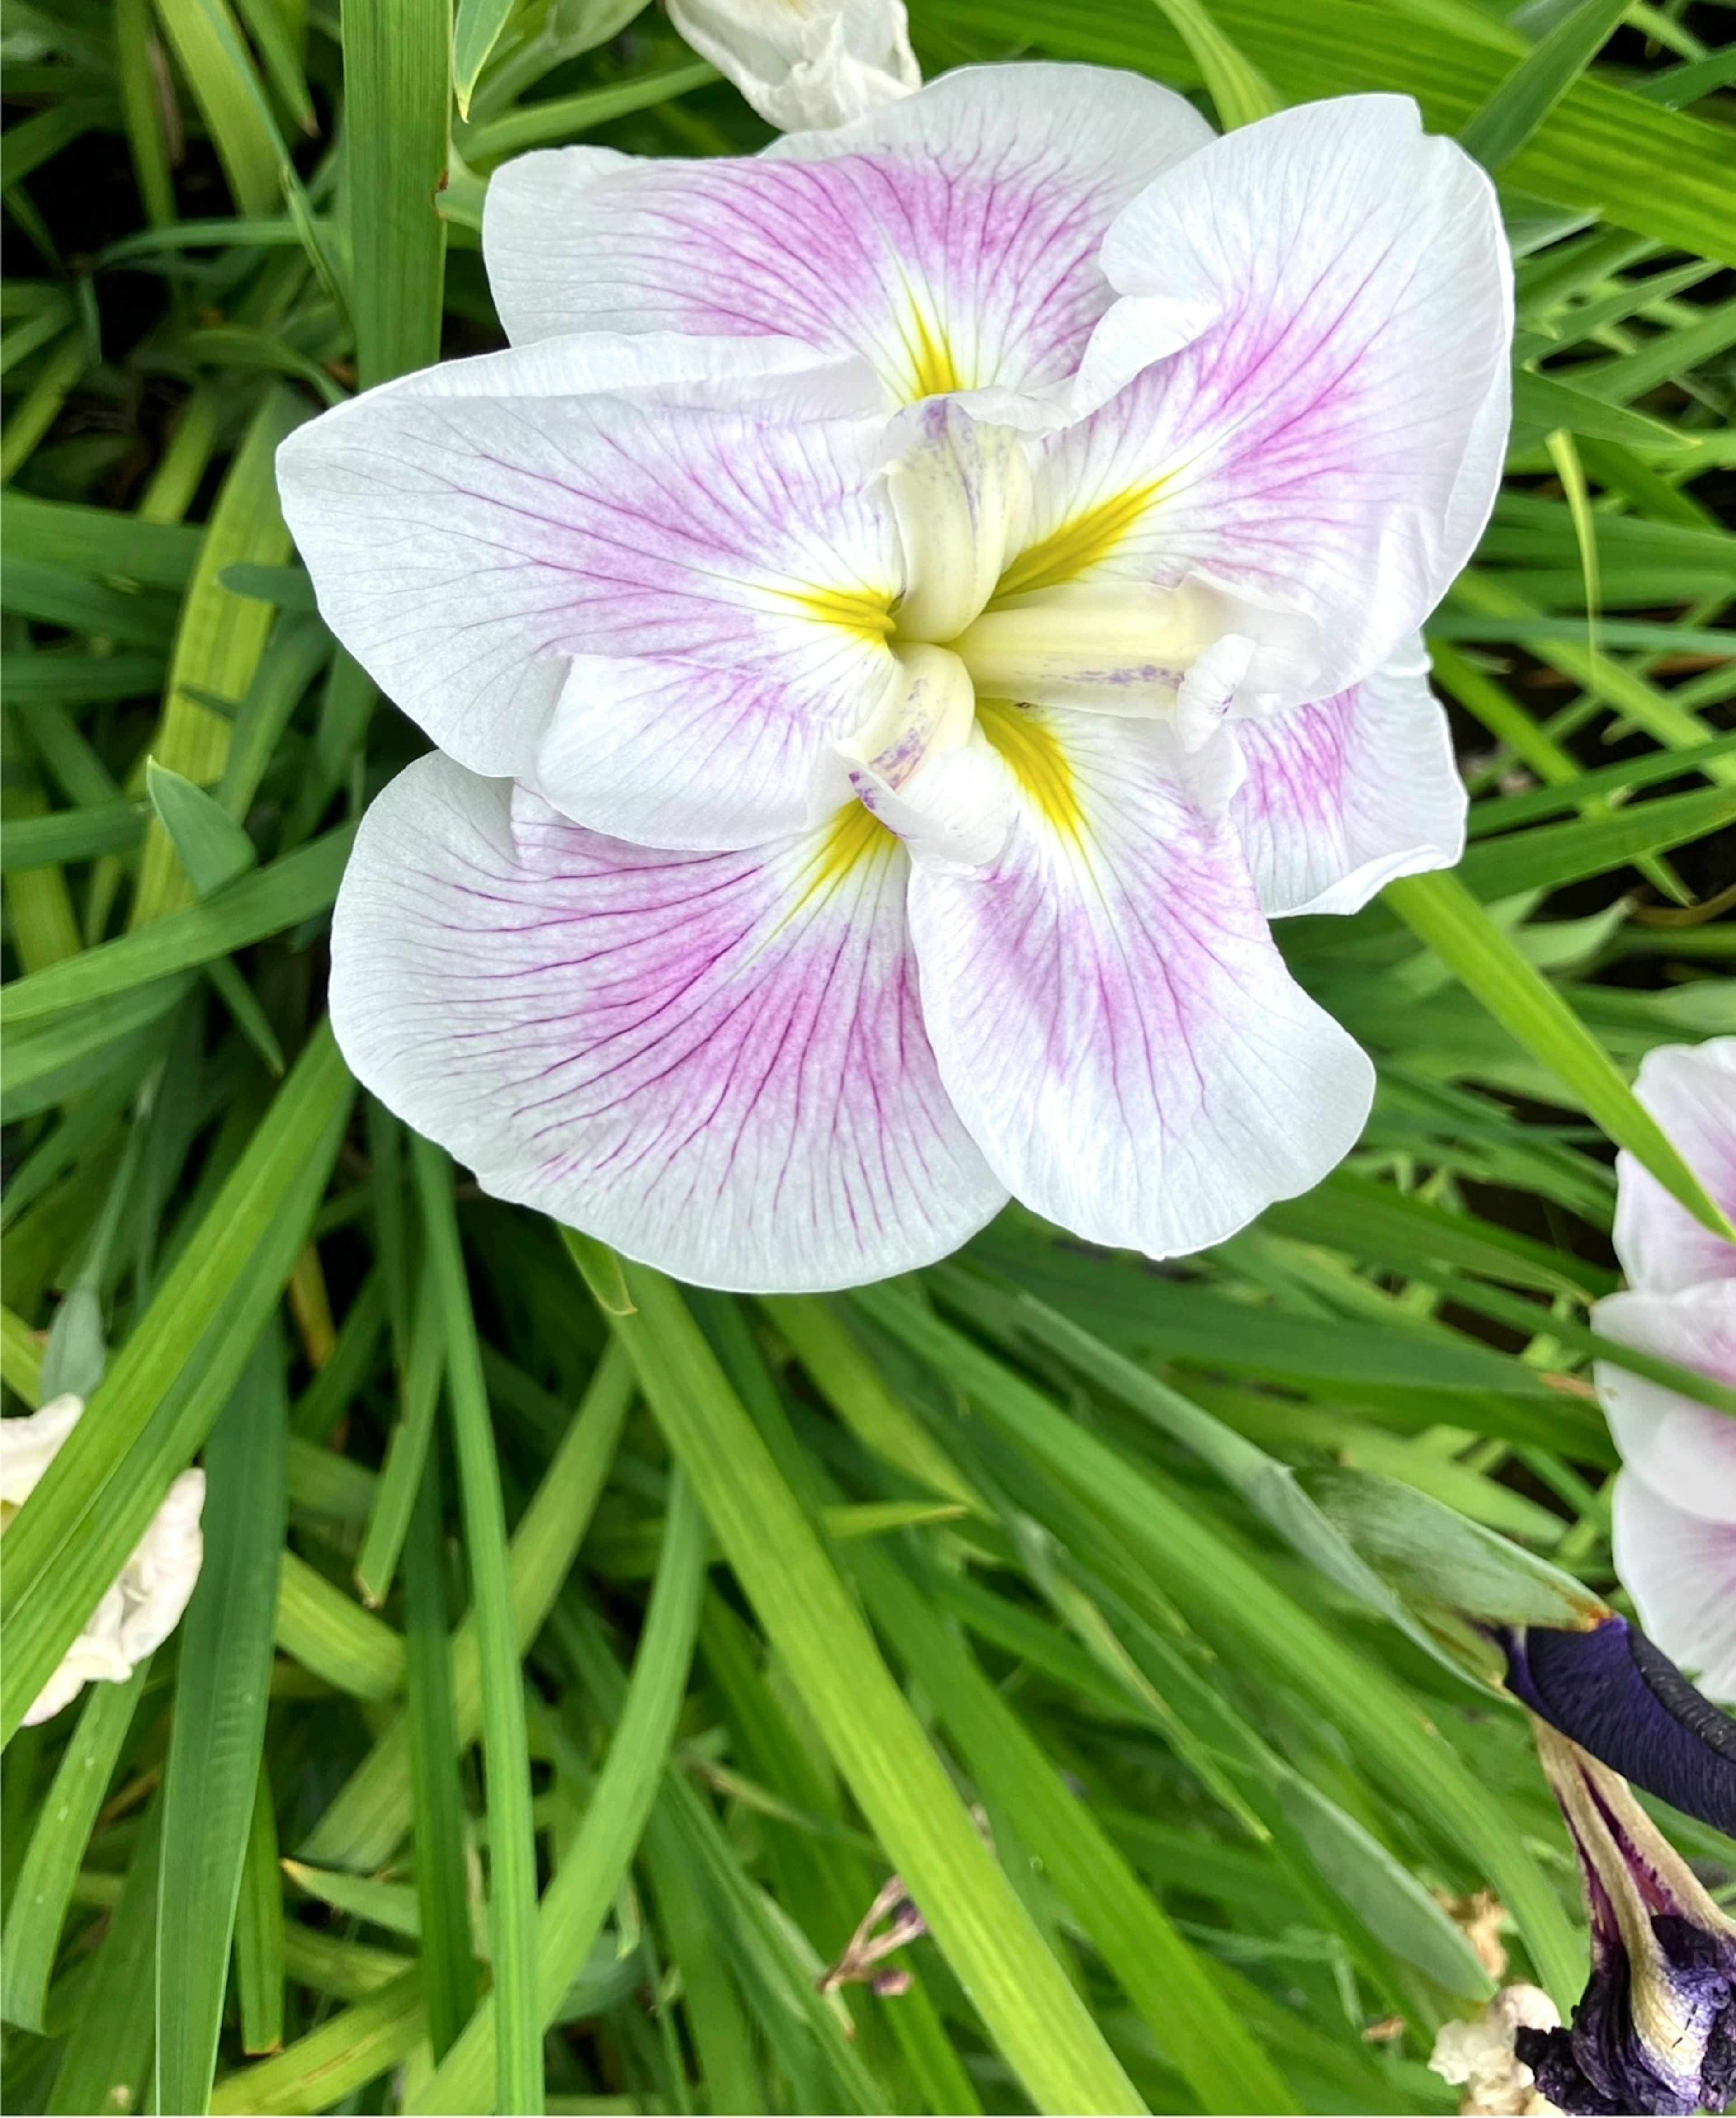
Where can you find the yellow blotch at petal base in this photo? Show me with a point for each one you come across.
(1037, 762)
(855, 835)
(1077, 545)
(865, 612)
(932, 372)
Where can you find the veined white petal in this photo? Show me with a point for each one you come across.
(1680, 1569)
(143, 1605)
(715, 1063)
(1110, 1016)
(665, 615)
(1309, 373)
(1691, 1090)
(805, 62)
(1342, 796)
(728, 374)
(951, 238)
(1683, 1450)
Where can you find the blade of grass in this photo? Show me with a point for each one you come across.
(397, 66)
(1441, 912)
(1240, 93)
(211, 1782)
(448, 1967)
(106, 2065)
(320, 2070)
(406, 1452)
(43, 1890)
(170, 1379)
(222, 635)
(364, 1825)
(620, 1804)
(1192, 1563)
(264, 903)
(259, 1930)
(1498, 129)
(1031, 2010)
(517, 2051)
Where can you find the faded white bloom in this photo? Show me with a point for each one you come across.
(144, 1605)
(1479, 2056)
(805, 65)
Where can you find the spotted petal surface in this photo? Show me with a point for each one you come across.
(715, 1063)
(952, 238)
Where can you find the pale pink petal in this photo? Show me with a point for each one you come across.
(1680, 1569)
(1311, 368)
(663, 615)
(715, 1063)
(1110, 1014)
(1691, 1090)
(1342, 796)
(951, 238)
(1686, 1451)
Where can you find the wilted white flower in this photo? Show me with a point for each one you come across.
(1674, 1512)
(908, 611)
(805, 64)
(1479, 2056)
(144, 1605)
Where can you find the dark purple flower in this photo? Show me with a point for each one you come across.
(1622, 1699)
(1655, 2029)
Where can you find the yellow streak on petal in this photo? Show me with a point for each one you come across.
(933, 370)
(1037, 760)
(866, 613)
(1078, 545)
(854, 836)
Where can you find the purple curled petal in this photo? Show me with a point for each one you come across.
(1617, 1696)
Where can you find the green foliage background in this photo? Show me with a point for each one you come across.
(575, 1651)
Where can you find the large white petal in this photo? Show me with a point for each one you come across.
(1686, 1451)
(1312, 365)
(1680, 1569)
(1691, 1090)
(715, 1063)
(1342, 796)
(805, 62)
(1111, 1016)
(951, 238)
(665, 615)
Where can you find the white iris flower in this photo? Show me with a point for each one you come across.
(907, 611)
(805, 64)
(144, 1603)
(1674, 1512)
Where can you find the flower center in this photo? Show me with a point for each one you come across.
(991, 624)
